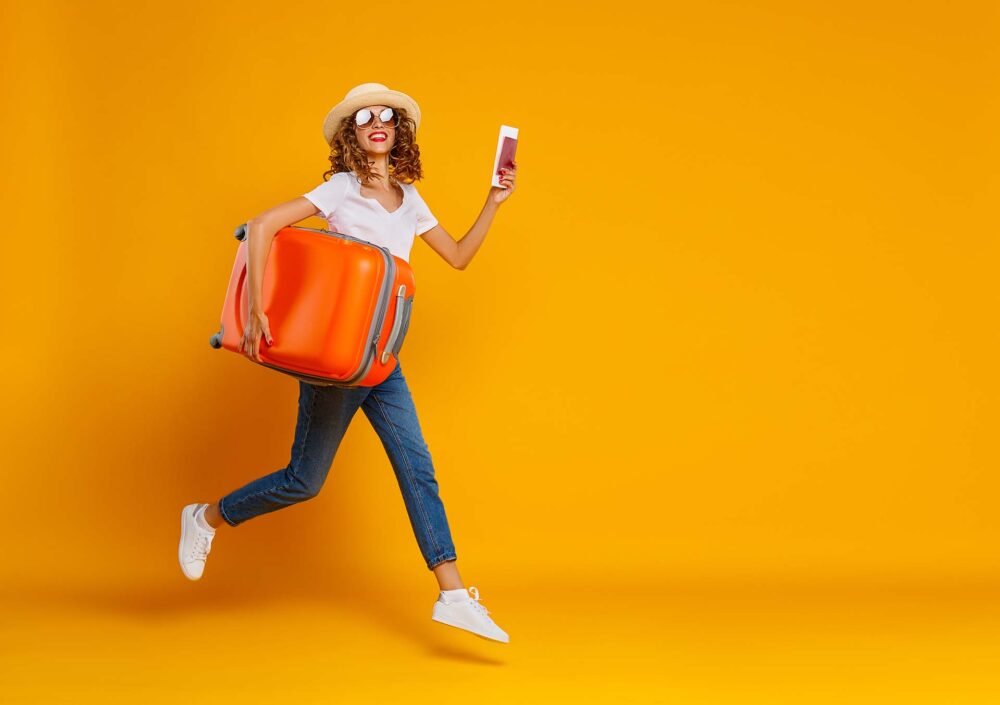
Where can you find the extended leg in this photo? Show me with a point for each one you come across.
(324, 413)
(392, 413)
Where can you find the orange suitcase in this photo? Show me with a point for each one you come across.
(339, 307)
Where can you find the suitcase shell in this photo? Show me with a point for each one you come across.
(338, 307)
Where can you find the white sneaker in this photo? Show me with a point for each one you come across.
(470, 615)
(196, 542)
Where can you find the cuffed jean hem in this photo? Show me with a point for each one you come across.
(438, 561)
(225, 516)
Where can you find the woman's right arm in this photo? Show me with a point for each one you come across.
(261, 230)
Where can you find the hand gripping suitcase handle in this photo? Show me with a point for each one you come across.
(400, 324)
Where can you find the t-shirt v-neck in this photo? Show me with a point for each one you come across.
(402, 204)
(339, 200)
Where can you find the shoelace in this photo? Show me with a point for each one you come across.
(202, 546)
(480, 607)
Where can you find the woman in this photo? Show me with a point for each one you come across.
(370, 195)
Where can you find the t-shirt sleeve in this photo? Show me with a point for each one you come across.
(329, 194)
(425, 219)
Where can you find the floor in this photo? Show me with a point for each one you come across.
(695, 642)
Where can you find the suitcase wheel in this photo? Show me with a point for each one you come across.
(216, 340)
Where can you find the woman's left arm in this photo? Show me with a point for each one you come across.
(459, 253)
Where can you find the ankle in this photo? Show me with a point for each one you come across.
(456, 595)
(212, 516)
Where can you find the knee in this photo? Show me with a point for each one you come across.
(303, 486)
(419, 454)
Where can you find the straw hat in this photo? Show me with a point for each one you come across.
(368, 94)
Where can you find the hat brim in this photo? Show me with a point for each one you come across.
(394, 99)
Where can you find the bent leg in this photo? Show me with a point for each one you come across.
(323, 417)
(392, 413)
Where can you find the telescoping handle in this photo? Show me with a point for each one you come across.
(399, 325)
(216, 340)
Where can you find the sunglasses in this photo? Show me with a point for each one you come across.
(365, 117)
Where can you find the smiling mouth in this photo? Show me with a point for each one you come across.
(378, 137)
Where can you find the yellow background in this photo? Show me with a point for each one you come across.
(713, 410)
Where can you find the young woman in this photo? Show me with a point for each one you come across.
(369, 194)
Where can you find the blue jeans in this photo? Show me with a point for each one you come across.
(324, 415)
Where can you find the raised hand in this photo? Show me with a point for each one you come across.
(508, 177)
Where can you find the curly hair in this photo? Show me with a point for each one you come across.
(404, 157)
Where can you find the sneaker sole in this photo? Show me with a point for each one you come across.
(466, 628)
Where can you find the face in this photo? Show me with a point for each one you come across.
(377, 137)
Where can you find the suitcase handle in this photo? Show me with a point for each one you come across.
(395, 341)
(406, 326)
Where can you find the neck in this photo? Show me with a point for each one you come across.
(379, 165)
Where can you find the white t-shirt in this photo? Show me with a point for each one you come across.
(339, 200)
